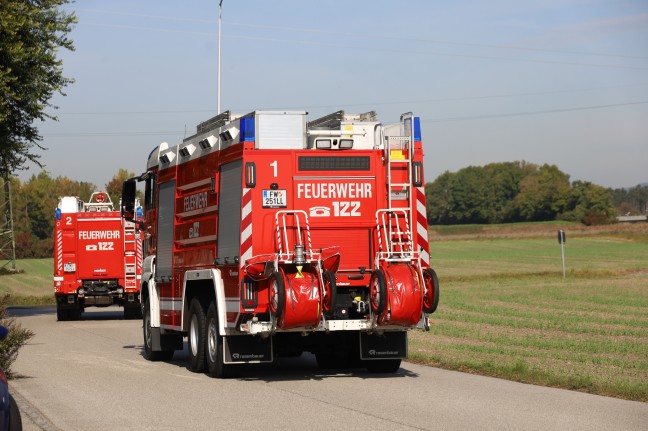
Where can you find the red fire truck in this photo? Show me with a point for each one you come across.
(97, 257)
(269, 235)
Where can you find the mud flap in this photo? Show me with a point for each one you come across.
(245, 349)
(165, 342)
(388, 345)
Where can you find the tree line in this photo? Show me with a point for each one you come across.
(522, 191)
(34, 204)
(495, 193)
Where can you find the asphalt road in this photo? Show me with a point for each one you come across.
(90, 375)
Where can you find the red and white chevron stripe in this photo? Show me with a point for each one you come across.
(422, 227)
(138, 254)
(246, 226)
(59, 251)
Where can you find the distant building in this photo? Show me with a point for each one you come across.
(632, 219)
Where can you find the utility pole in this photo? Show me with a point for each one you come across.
(220, 8)
(7, 242)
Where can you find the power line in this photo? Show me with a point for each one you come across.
(401, 102)
(356, 35)
(520, 114)
(373, 48)
(431, 120)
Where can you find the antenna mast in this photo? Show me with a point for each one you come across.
(220, 8)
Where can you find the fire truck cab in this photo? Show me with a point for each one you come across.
(97, 257)
(267, 234)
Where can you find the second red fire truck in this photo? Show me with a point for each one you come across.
(267, 234)
(97, 257)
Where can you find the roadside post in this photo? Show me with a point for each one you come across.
(561, 240)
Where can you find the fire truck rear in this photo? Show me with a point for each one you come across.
(97, 257)
(269, 235)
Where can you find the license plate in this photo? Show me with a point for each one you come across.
(69, 267)
(274, 199)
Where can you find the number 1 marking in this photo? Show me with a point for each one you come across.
(274, 165)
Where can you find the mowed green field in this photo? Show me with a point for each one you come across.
(506, 311)
(31, 285)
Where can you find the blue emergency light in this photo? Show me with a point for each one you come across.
(246, 125)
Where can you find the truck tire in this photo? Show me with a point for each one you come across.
(61, 314)
(197, 336)
(383, 365)
(276, 294)
(214, 349)
(330, 291)
(74, 313)
(430, 290)
(132, 313)
(378, 292)
(149, 354)
(15, 420)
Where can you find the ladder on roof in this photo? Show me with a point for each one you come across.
(130, 255)
(394, 224)
(399, 152)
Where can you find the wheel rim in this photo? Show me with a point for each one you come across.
(212, 340)
(147, 330)
(193, 335)
(274, 298)
(326, 304)
(375, 293)
(428, 297)
(431, 291)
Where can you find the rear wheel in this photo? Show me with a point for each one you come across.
(330, 293)
(430, 291)
(61, 314)
(148, 337)
(277, 294)
(197, 327)
(378, 291)
(214, 352)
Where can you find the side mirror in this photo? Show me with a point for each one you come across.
(129, 189)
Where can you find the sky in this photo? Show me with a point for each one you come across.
(562, 82)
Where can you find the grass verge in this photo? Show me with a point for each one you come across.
(507, 312)
(30, 285)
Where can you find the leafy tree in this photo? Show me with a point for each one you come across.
(477, 194)
(31, 33)
(590, 204)
(503, 185)
(633, 201)
(34, 205)
(516, 191)
(438, 199)
(639, 197)
(469, 194)
(114, 186)
(543, 194)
